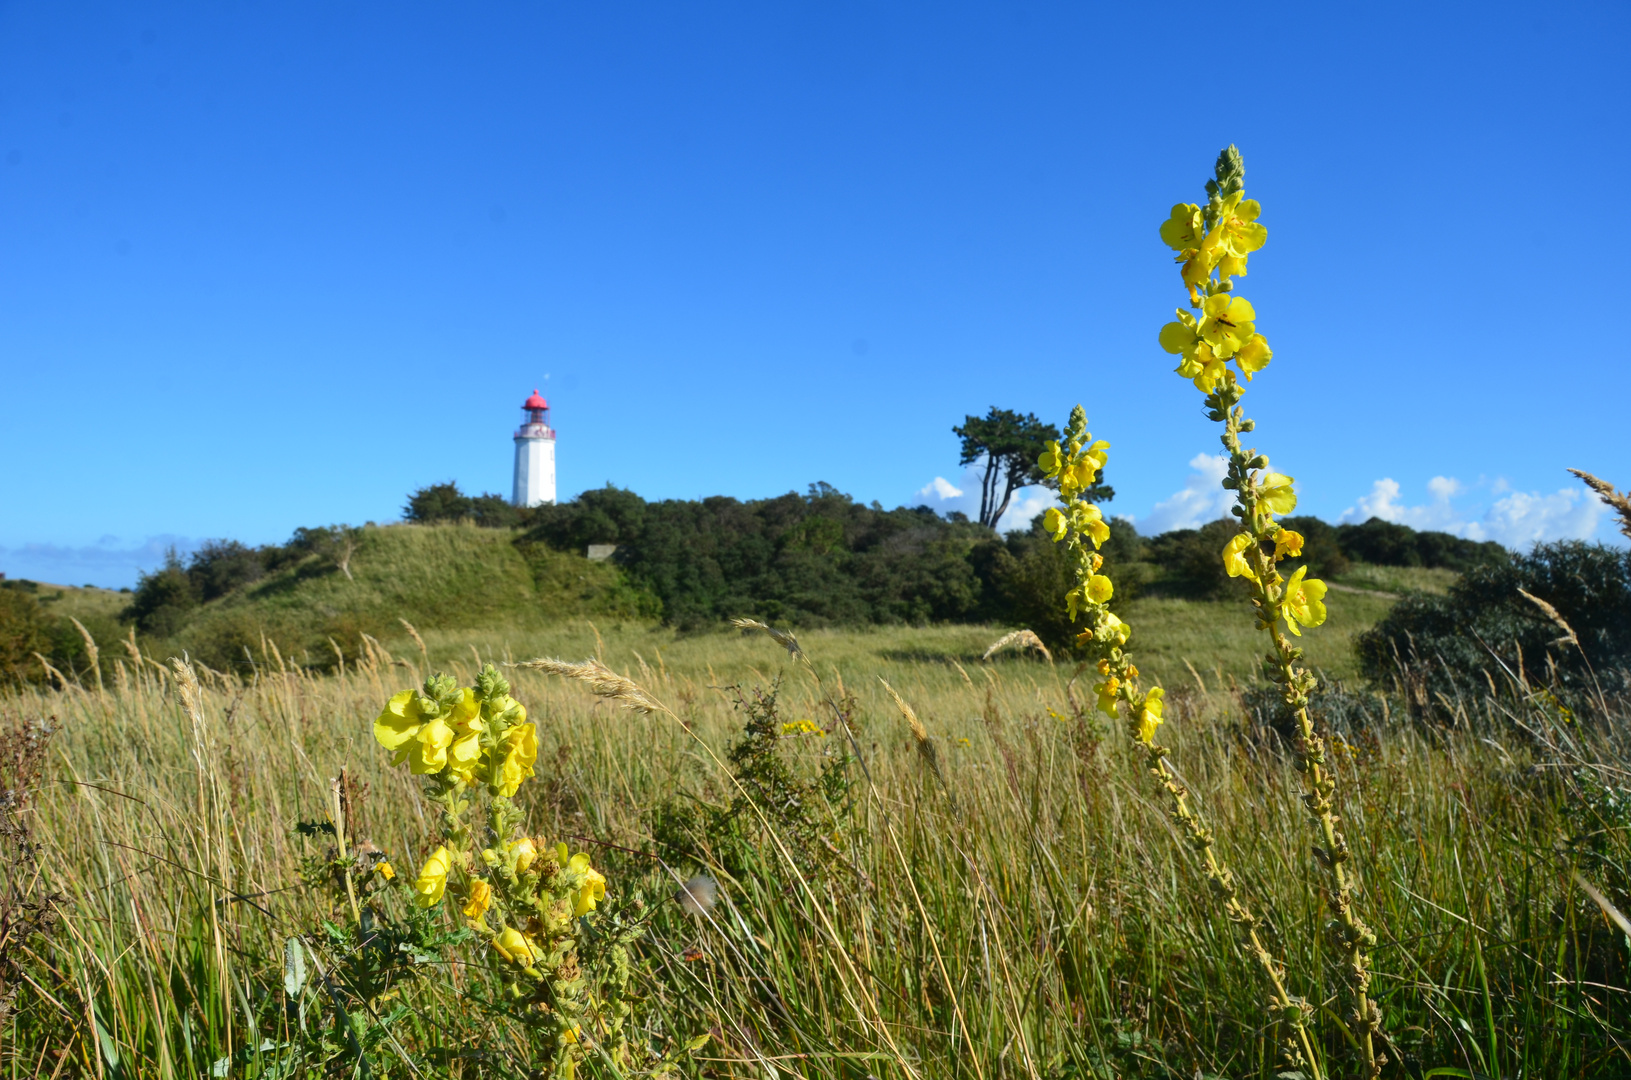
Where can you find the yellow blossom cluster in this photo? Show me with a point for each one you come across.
(474, 737)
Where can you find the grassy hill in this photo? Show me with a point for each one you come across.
(447, 577)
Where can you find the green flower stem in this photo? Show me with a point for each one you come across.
(1348, 933)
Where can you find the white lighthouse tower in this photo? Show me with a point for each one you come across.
(534, 455)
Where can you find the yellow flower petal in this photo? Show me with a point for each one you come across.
(399, 722)
(432, 879)
(1234, 557)
(1099, 588)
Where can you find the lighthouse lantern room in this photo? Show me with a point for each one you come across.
(534, 455)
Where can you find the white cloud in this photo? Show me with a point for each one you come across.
(943, 497)
(1201, 500)
(1517, 519)
(937, 490)
(1522, 518)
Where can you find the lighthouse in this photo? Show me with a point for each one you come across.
(534, 455)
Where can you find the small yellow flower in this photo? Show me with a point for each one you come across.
(1099, 588)
(1303, 601)
(1132, 671)
(1149, 714)
(525, 853)
(428, 752)
(1104, 667)
(1182, 229)
(1116, 630)
(481, 898)
(403, 717)
(1287, 543)
(572, 1034)
(1227, 324)
(1277, 494)
(1253, 356)
(1056, 523)
(1053, 458)
(384, 870)
(514, 947)
(1235, 235)
(1234, 557)
(433, 878)
(594, 885)
(518, 751)
(1090, 520)
(1107, 691)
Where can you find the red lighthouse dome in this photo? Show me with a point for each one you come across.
(535, 402)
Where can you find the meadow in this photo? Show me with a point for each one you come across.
(1008, 900)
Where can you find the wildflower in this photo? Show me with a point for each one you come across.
(594, 885)
(433, 878)
(1278, 495)
(402, 718)
(1149, 714)
(1235, 236)
(428, 752)
(1303, 601)
(1115, 630)
(384, 870)
(1103, 666)
(481, 898)
(1253, 356)
(518, 750)
(1132, 671)
(1227, 324)
(1182, 229)
(1287, 543)
(1053, 459)
(1107, 691)
(572, 1034)
(1089, 519)
(1099, 589)
(514, 946)
(1234, 557)
(526, 852)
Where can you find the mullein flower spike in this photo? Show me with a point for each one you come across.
(526, 899)
(1213, 244)
(1074, 463)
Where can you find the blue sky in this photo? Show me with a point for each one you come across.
(271, 265)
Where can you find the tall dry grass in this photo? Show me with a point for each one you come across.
(1025, 912)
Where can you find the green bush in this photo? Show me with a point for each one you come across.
(1448, 640)
(24, 630)
(1387, 543)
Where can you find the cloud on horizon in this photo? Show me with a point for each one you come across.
(110, 562)
(1517, 519)
(943, 497)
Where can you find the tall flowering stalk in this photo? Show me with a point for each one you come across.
(1073, 464)
(1212, 245)
(525, 899)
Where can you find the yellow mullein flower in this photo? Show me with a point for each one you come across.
(514, 947)
(1197, 267)
(593, 891)
(1236, 234)
(427, 753)
(1253, 356)
(525, 853)
(1277, 494)
(1182, 229)
(1234, 557)
(464, 756)
(1099, 588)
(404, 715)
(1056, 523)
(1303, 601)
(1090, 520)
(1149, 714)
(1287, 543)
(384, 870)
(433, 878)
(1202, 368)
(1107, 691)
(1227, 324)
(1132, 671)
(1103, 666)
(1052, 459)
(1115, 629)
(481, 898)
(518, 750)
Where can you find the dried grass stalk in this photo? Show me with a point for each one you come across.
(1019, 639)
(783, 638)
(602, 682)
(920, 734)
(1606, 492)
(1569, 637)
(91, 651)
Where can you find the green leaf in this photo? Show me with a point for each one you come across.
(294, 966)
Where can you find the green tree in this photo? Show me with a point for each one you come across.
(24, 630)
(437, 502)
(163, 599)
(1010, 443)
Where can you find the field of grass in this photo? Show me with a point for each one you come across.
(1031, 916)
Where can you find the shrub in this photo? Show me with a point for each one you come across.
(1449, 639)
(163, 599)
(24, 630)
(1386, 543)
